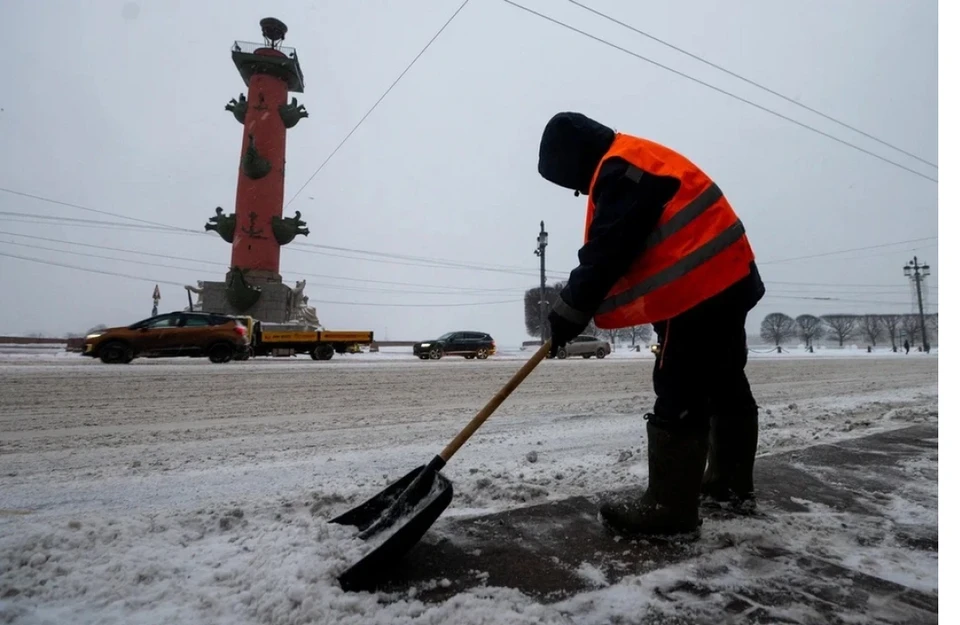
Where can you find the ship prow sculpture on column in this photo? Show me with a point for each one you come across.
(257, 229)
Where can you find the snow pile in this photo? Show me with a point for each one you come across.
(107, 569)
(268, 567)
(278, 565)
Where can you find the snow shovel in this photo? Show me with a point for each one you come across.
(395, 519)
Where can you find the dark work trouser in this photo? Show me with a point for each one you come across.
(699, 370)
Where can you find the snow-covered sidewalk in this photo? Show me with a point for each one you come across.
(846, 531)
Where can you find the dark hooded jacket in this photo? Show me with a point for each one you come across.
(627, 209)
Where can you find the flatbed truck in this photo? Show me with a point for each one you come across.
(280, 340)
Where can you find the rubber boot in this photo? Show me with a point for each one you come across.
(676, 459)
(729, 475)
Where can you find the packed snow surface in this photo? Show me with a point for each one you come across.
(178, 491)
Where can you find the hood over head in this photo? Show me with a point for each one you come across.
(571, 148)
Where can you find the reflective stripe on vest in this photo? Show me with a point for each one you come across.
(685, 215)
(676, 271)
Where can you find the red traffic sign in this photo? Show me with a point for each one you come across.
(156, 291)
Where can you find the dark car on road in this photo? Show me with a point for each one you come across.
(220, 338)
(463, 343)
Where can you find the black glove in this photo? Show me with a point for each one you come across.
(562, 330)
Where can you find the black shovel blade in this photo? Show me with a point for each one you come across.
(400, 537)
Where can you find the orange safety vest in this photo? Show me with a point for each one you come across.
(698, 249)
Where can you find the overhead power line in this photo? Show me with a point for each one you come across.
(377, 103)
(886, 254)
(95, 225)
(800, 294)
(855, 249)
(325, 285)
(840, 300)
(109, 248)
(88, 270)
(752, 82)
(383, 258)
(91, 210)
(31, 218)
(19, 217)
(720, 90)
(458, 291)
(371, 255)
(102, 257)
(330, 302)
(800, 288)
(833, 285)
(399, 305)
(429, 264)
(826, 290)
(431, 261)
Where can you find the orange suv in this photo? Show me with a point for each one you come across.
(218, 337)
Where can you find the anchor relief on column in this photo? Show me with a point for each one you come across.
(251, 229)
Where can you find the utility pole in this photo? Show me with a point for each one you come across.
(541, 251)
(156, 300)
(917, 272)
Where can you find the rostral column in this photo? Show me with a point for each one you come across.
(258, 228)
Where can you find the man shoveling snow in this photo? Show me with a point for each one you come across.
(663, 246)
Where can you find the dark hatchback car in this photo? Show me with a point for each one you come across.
(467, 344)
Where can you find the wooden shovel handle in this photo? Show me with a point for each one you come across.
(494, 403)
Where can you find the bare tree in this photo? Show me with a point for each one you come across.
(531, 307)
(842, 327)
(891, 323)
(910, 324)
(591, 329)
(638, 333)
(871, 328)
(809, 328)
(611, 334)
(777, 327)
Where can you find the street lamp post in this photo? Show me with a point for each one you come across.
(541, 251)
(917, 272)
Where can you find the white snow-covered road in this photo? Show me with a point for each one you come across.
(162, 435)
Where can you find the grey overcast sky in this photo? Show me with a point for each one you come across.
(119, 106)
